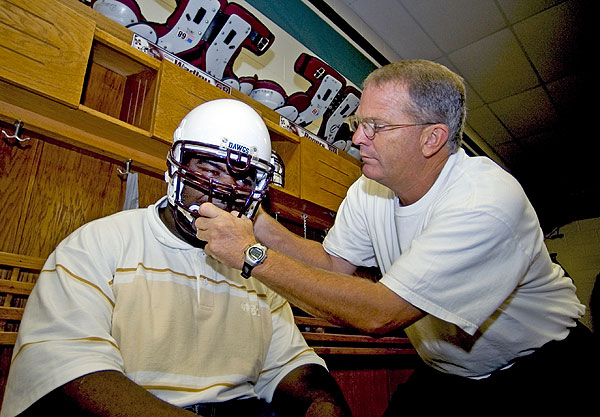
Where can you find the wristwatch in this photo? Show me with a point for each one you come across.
(255, 255)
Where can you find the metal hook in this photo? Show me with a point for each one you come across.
(124, 174)
(17, 135)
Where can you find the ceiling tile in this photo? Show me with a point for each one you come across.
(455, 24)
(537, 141)
(553, 39)
(511, 153)
(487, 126)
(473, 99)
(569, 94)
(342, 8)
(495, 66)
(519, 10)
(526, 113)
(397, 28)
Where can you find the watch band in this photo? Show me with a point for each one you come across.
(247, 270)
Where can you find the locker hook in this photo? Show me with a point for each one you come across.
(17, 135)
(124, 174)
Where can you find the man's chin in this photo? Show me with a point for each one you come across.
(371, 172)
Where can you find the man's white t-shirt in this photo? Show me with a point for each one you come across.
(471, 254)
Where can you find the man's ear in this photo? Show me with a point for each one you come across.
(434, 138)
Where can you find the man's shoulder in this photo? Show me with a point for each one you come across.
(479, 185)
(368, 188)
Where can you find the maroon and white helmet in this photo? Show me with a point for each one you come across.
(227, 132)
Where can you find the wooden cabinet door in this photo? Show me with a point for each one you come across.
(45, 48)
(179, 92)
(325, 176)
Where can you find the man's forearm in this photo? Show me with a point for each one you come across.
(338, 298)
(271, 233)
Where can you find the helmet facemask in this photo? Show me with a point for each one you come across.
(199, 173)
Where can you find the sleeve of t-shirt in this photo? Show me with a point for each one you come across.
(65, 331)
(287, 350)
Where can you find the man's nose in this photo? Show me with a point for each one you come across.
(359, 138)
(226, 179)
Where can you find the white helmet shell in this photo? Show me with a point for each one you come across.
(117, 11)
(226, 124)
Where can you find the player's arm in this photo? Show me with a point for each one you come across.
(100, 394)
(308, 391)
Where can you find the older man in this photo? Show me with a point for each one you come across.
(465, 268)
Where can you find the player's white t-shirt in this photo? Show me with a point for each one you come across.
(123, 293)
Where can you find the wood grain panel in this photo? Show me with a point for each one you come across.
(325, 177)
(71, 188)
(45, 48)
(15, 176)
(368, 383)
(109, 98)
(151, 188)
(103, 22)
(5, 358)
(290, 155)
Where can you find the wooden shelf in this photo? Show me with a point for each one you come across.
(99, 93)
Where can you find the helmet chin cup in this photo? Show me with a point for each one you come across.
(184, 222)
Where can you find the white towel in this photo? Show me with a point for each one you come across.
(131, 192)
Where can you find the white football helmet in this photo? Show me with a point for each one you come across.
(226, 133)
(125, 12)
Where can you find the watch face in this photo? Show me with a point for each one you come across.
(255, 253)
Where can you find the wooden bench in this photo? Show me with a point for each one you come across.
(18, 274)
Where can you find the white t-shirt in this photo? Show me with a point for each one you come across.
(471, 254)
(123, 293)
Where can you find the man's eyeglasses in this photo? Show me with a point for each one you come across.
(370, 128)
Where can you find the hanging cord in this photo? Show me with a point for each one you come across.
(304, 218)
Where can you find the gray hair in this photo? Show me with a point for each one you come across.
(437, 94)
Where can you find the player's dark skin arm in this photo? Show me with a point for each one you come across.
(104, 393)
(308, 391)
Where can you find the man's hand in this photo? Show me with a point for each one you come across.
(226, 234)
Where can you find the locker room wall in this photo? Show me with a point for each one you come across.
(49, 190)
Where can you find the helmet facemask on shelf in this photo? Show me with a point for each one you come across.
(221, 154)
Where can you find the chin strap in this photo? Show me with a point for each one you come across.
(183, 230)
